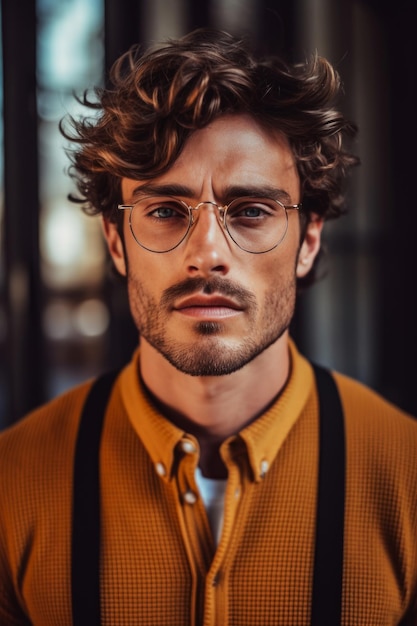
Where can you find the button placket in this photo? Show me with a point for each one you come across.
(191, 510)
(186, 469)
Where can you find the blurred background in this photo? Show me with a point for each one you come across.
(64, 319)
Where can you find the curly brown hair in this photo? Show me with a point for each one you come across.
(158, 98)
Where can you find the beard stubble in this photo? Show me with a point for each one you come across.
(212, 353)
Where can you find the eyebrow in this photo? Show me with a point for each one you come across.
(228, 194)
(256, 191)
(169, 189)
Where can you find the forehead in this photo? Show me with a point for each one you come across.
(232, 151)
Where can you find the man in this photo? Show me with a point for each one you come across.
(219, 479)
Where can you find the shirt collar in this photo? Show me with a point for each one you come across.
(158, 434)
(265, 436)
(262, 438)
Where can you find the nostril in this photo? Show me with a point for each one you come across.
(219, 268)
(205, 269)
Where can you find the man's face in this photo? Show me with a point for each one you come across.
(207, 306)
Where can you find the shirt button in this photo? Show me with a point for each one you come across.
(237, 493)
(160, 469)
(264, 468)
(188, 446)
(189, 497)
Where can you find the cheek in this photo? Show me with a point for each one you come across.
(147, 277)
(279, 269)
(143, 298)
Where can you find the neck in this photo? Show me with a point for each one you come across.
(218, 406)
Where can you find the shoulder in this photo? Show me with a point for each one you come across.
(44, 438)
(36, 469)
(368, 405)
(377, 430)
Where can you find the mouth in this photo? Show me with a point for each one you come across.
(207, 307)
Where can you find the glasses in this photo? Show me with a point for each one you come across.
(256, 225)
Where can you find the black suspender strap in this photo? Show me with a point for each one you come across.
(328, 560)
(85, 571)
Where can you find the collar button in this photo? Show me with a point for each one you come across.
(188, 446)
(264, 468)
(189, 497)
(160, 469)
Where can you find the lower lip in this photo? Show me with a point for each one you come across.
(208, 312)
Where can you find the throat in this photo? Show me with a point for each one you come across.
(210, 462)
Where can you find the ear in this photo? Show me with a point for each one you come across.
(115, 245)
(310, 247)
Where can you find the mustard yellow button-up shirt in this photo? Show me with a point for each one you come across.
(159, 563)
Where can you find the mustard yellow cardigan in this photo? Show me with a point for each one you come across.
(159, 565)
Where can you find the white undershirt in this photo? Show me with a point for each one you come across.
(212, 491)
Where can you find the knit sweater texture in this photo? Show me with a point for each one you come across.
(159, 564)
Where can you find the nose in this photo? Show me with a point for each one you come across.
(207, 248)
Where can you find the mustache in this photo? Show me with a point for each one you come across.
(218, 285)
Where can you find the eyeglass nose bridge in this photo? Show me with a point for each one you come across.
(220, 209)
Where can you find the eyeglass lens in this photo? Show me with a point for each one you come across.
(256, 225)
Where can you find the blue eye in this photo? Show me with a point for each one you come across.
(250, 211)
(164, 209)
(163, 212)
